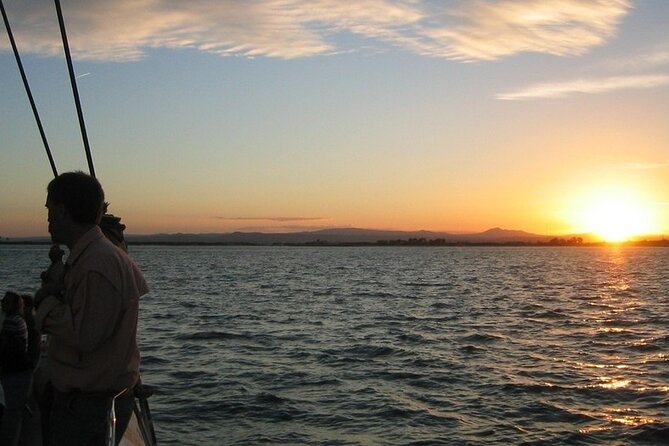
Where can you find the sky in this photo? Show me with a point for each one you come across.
(287, 115)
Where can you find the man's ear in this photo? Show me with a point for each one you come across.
(64, 214)
(54, 206)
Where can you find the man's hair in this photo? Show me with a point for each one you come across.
(80, 194)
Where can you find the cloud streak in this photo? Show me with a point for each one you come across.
(585, 86)
(277, 219)
(465, 30)
(645, 166)
(491, 30)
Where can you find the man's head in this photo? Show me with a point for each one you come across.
(74, 201)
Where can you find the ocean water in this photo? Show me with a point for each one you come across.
(400, 345)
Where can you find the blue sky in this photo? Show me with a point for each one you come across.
(214, 116)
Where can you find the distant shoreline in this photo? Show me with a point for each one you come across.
(365, 237)
(385, 243)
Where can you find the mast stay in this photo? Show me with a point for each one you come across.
(75, 91)
(28, 91)
(73, 82)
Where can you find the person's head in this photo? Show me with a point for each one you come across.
(74, 200)
(12, 303)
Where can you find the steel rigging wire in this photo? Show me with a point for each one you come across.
(28, 92)
(73, 81)
(75, 91)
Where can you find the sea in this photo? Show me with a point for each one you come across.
(321, 345)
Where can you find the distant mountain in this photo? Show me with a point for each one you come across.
(341, 235)
(506, 235)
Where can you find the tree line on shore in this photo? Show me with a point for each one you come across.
(556, 241)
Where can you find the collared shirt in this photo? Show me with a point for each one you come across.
(93, 330)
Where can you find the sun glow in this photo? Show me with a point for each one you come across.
(617, 216)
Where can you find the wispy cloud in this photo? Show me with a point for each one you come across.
(277, 219)
(465, 30)
(491, 30)
(644, 60)
(645, 166)
(124, 30)
(282, 228)
(656, 58)
(585, 86)
(283, 224)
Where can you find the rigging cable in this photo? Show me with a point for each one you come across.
(75, 92)
(28, 92)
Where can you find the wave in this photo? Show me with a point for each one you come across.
(481, 338)
(213, 335)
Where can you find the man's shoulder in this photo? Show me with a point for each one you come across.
(103, 254)
(105, 259)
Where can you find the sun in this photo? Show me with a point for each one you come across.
(617, 217)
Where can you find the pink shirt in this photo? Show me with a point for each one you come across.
(93, 332)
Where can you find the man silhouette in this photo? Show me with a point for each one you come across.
(91, 317)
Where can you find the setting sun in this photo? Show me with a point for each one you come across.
(616, 217)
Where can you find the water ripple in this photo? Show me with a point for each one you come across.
(402, 346)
